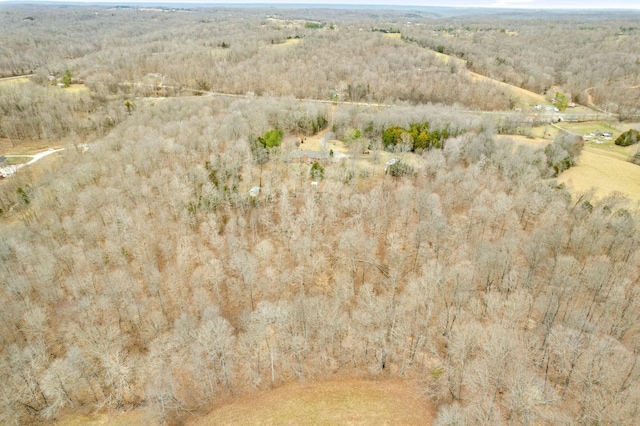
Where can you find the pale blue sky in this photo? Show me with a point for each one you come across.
(527, 4)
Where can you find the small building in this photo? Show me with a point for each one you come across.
(308, 156)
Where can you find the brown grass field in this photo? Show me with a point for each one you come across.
(13, 80)
(523, 140)
(77, 89)
(525, 97)
(344, 402)
(604, 173)
(335, 402)
(26, 147)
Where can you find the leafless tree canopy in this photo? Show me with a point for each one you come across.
(140, 272)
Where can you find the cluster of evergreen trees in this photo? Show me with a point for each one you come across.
(418, 137)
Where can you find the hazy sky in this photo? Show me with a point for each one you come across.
(528, 4)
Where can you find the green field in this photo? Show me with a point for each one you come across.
(591, 126)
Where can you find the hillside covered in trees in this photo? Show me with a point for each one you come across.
(142, 271)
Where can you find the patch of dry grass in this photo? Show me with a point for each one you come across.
(25, 147)
(605, 174)
(525, 97)
(544, 132)
(444, 58)
(14, 80)
(612, 150)
(135, 417)
(287, 43)
(590, 126)
(335, 402)
(344, 402)
(523, 140)
(78, 89)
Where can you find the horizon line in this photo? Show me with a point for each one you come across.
(518, 6)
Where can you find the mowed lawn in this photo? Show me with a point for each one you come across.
(340, 402)
(604, 173)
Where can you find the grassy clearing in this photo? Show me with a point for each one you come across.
(13, 81)
(25, 147)
(611, 150)
(523, 140)
(17, 160)
(606, 148)
(605, 174)
(77, 89)
(525, 97)
(393, 35)
(544, 132)
(135, 417)
(446, 59)
(591, 126)
(219, 52)
(287, 43)
(345, 402)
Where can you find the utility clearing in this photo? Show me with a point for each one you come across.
(525, 97)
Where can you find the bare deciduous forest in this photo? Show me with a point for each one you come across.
(141, 270)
